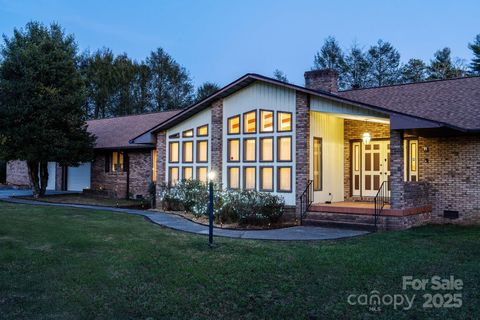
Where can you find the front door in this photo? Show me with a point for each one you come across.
(371, 167)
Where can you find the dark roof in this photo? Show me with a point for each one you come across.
(454, 102)
(113, 133)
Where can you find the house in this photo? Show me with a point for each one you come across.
(327, 152)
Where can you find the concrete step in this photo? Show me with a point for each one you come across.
(340, 220)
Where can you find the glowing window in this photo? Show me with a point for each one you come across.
(202, 151)
(266, 178)
(202, 131)
(234, 177)
(187, 154)
(173, 176)
(249, 150)
(233, 150)
(187, 133)
(284, 147)
(249, 178)
(284, 121)
(234, 125)
(202, 174)
(250, 122)
(187, 173)
(118, 160)
(173, 153)
(266, 149)
(284, 179)
(266, 121)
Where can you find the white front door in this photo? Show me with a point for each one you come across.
(375, 165)
(370, 167)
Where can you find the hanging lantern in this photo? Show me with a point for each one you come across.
(366, 138)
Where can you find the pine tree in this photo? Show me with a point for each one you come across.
(475, 47)
(442, 66)
(384, 61)
(280, 75)
(414, 71)
(42, 102)
(356, 71)
(330, 56)
(206, 89)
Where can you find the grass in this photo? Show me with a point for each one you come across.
(79, 198)
(64, 263)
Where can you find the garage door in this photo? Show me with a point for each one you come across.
(79, 177)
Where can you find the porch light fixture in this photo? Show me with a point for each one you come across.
(366, 137)
(211, 175)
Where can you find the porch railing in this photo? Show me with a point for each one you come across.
(306, 200)
(382, 197)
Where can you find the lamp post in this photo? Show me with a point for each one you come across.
(211, 176)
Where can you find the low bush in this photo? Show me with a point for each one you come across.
(244, 207)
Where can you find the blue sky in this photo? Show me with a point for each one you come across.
(221, 40)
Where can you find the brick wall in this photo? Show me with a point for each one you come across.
(353, 130)
(451, 166)
(116, 182)
(17, 173)
(302, 139)
(217, 139)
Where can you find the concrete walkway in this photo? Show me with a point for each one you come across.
(178, 223)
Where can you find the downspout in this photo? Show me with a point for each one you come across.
(127, 166)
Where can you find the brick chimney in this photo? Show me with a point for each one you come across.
(322, 80)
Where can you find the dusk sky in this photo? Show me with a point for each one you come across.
(220, 41)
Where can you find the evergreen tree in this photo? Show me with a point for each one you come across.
(42, 102)
(475, 47)
(356, 71)
(170, 83)
(414, 71)
(205, 90)
(280, 75)
(124, 73)
(330, 56)
(141, 92)
(442, 66)
(384, 61)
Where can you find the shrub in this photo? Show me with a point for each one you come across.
(245, 207)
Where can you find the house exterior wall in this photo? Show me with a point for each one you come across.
(263, 96)
(115, 183)
(331, 130)
(451, 168)
(17, 173)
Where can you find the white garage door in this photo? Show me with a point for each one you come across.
(79, 177)
(52, 168)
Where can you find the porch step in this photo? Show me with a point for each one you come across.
(340, 220)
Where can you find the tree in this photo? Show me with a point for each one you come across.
(356, 71)
(384, 61)
(280, 75)
(205, 90)
(124, 74)
(42, 99)
(475, 47)
(170, 83)
(414, 71)
(442, 66)
(330, 56)
(99, 75)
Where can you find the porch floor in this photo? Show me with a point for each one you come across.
(365, 208)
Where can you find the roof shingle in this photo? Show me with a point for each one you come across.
(117, 132)
(455, 102)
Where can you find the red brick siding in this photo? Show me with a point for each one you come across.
(161, 161)
(302, 141)
(140, 173)
(217, 139)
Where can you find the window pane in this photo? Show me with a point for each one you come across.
(234, 178)
(266, 121)
(249, 181)
(154, 165)
(285, 179)
(188, 133)
(284, 149)
(284, 121)
(187, 151)
(202, 131)
(317, 164)
(266, 149)
(173, 176)
(202, 151)
(266, 178)
(234, 150)
(202, 173)
(173, 152)
(187, 173)
(413, 156)
(117, 161)
(234, 125)
(249, 149)
(250, 122)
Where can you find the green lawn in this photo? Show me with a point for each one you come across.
(62, 263)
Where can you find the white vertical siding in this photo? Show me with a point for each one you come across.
(328, 106)
(330, 129)
(255, 97)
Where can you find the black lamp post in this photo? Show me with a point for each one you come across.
(211, 176)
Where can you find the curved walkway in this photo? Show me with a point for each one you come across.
(178, 223)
